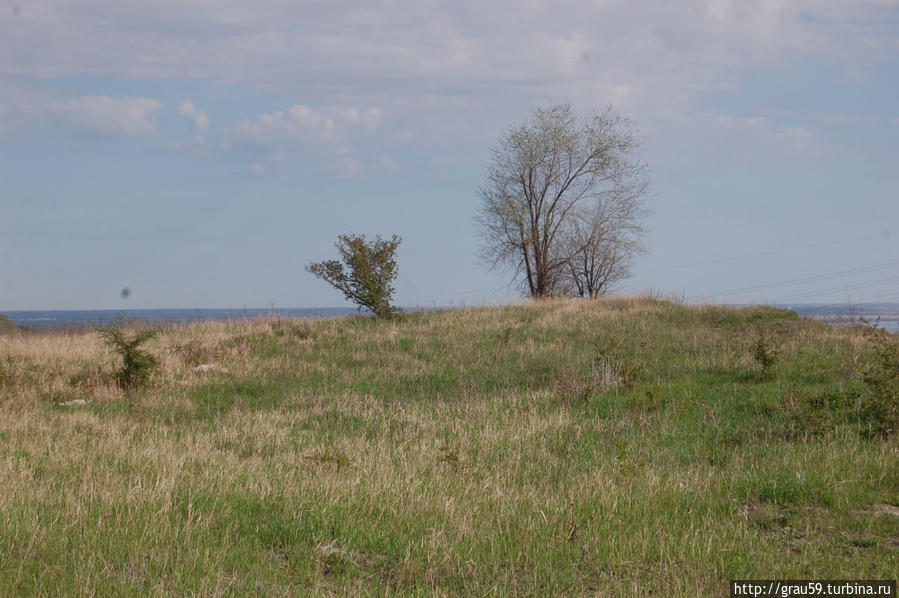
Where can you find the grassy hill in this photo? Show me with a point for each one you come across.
(562, 448)
(6, 325)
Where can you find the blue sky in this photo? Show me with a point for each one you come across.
(202, 153)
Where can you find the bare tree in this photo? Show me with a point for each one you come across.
(603, 243)
(561, 193)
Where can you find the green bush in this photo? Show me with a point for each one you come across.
(137, 365)
(766, 352)
(880, 373)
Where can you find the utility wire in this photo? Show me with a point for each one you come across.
(455, 294)
(883, 298)
(764, 253)
(837, 289)
(794, 281)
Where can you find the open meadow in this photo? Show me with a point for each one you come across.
(564, 447)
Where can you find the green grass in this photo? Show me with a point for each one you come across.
(614, 447)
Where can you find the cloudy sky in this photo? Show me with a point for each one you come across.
(200, 153)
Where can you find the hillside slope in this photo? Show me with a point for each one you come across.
(562, 448)
(6, 325)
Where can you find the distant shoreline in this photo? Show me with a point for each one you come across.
(829, 313)
(83, 318)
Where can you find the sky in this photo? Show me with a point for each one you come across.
(201, 153)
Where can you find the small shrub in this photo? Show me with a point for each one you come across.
(880, 374)
(766, 352)
(137, 364)
(810, 416)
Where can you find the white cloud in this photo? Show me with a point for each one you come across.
(113, 116)
(354, 47)
(201, 120)
(23, 106)
(298, 127)
(445, 70)
(789, 138)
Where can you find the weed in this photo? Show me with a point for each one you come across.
(191, 353)
(647, 402)
(572, 385)
(769, 518)
(809, 416)
(297, 329)
(618, 363)
(88, 378)
(880, 373)
(331, 456)
(334, 559)
(450, 456)
(505, 335)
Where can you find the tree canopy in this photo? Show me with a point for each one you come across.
(370, 271)
(563, 203)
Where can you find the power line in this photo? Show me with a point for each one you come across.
(883, 298)
(837, 289)
(765, 253)
(455, 294)
(794, 281)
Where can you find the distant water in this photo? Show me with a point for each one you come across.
(884, 315)
(93, 317)
(840, 314)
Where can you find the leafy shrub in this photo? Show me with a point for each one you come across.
(137, 364)
(766, 352)
(813, 415)
(880, 373)
(371, 270)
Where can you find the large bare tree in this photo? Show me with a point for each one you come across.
(563, 202)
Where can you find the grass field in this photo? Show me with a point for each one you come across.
(618, 448)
